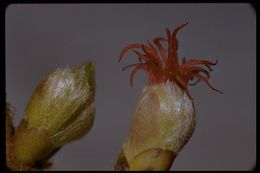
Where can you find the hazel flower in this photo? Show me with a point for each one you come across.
(164, 118)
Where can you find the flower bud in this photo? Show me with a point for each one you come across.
(164, 119)
(162, 123)
(60, 111)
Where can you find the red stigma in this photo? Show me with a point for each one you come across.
(162, 65)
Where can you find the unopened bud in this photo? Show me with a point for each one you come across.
(60, 111)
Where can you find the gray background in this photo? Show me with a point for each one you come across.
(42, 37)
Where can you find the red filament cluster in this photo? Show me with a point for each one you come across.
(162, 65)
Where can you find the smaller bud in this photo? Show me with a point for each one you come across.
(61, 110)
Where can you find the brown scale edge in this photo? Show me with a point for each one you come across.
(122, 163)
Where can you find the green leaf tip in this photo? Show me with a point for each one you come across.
(90, 70)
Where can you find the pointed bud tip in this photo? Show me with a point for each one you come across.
(90, 71)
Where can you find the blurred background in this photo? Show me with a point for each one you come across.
(43, 37)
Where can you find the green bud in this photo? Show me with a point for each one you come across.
(60, 111)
